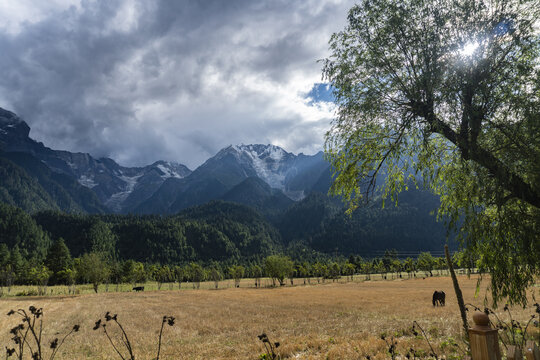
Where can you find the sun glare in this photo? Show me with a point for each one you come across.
(469, 48)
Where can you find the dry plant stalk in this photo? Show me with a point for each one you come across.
(28, 335)
(108, 318)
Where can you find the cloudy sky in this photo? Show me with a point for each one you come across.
(140, 81)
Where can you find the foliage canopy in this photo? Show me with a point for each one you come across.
(446, 93)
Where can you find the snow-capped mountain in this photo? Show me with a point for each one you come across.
(167, 187)
(112, 183)
(293, 175)
(268, 162)
(278, 168)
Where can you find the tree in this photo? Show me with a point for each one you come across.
(4, 255)
(367, 269)
(278, 267)
(292, 274)
(102, 239)
(317, 271)
(57, 261)
(348, 270)
(115, 273)
(446, 94)
(256, 272)
(69, 276)
(396, 268)
(39, 275)
(440, 264)
(334, 271)
(93, 268)
(162, 275)
(179, 275)
(377, 267)
(17, 264)
(197, 274)
(306, 271)
(237, 273)
(323, 271)
(133, 272)
(215, 275)
(408, 265)
(426, 262)
(17, 228)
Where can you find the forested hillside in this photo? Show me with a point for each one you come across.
(17, 188)
(230, 232)
(62, 191)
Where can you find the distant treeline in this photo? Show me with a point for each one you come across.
(60, 268)
(58, 247)
(222, 240)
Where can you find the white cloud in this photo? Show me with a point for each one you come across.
(142, 81)
(16, 15)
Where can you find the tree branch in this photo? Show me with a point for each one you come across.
(508, 179)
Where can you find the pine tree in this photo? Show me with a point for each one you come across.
(17, 263)
(58, 259)
(4, 255)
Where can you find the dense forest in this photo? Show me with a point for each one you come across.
(219, 231)
(219, 235)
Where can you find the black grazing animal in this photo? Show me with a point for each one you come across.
(138, 288)
(439, 298)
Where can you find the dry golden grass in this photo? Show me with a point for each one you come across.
(326, 321)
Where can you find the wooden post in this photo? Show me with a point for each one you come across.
(483, 339)
(531, 351)
(514, 353)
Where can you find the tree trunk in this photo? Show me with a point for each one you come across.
(458, 292)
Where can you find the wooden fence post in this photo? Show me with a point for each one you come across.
(483, 339)
(531, 351)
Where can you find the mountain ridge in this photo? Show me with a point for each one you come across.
(166, 187)
(111, 182)
(273, 192)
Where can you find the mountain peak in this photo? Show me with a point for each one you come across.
(11, 124)
(268, 152)
(268, 162)
(262, 150)
(7, 115)
(171, 169)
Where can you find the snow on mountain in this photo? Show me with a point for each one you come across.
(292, 174)
(116, 201)
(124, 189)
(111, 182)
(269, 162)
(171, 170)
(134, 178)
(87, 181)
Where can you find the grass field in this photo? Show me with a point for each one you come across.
(326, 321)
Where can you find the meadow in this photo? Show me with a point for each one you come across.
(334, 320)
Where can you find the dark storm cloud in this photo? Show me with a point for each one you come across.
(140, 81)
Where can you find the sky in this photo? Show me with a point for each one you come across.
(141, 81)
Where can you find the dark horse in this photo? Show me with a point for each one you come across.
(439, 298)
